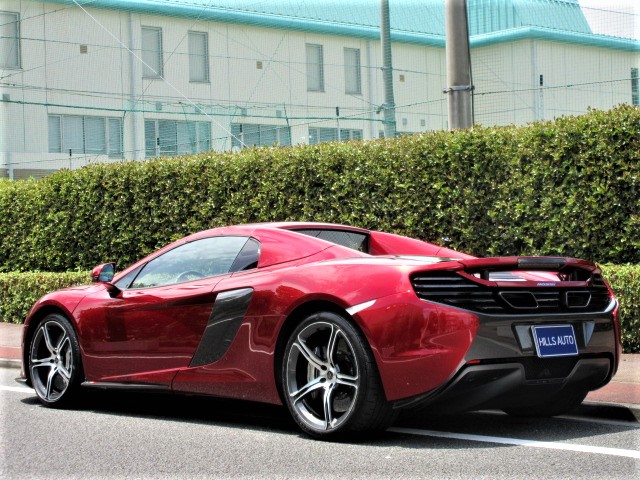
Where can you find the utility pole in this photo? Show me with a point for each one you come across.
(389, 106)
(136, 117)
(459, 88)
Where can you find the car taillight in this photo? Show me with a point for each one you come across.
(616, 329)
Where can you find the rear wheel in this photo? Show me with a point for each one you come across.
(330, 379)
(560, 403)
(54, 361)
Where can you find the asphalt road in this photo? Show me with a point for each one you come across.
(124, 435)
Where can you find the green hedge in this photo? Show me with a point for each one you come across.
(18, 292)
(625, 282)
(569, 187)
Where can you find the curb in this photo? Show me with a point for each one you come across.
(10, 363)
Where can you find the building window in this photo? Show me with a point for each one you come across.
(635, 87)
(198, 57)
(253, 135)
(315, 68)
(9, 40)
(320, 135)
(95, 135)
(55, 134)
(170, 137)
(152, 52)
(77, 134)
(114, 137)
(352, 76)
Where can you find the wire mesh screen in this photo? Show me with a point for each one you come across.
(546, 75)
(84, 82)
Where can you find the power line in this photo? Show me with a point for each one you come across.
(134, 54)
(200, 111)
(280, 67)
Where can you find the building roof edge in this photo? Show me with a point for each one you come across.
(225, 15)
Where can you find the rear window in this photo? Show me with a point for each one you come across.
(355, 240)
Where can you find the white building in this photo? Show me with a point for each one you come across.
(105, 80)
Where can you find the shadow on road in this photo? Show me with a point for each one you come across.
(257, 416)
(184, 408)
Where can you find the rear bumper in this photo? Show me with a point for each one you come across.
(506, 336)
(503, 385)
(501, 367)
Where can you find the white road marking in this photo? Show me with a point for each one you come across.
(15, 389)
(618, 452)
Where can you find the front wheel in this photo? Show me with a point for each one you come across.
(54, 361)
(330, 379)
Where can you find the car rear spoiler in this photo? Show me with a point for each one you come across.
(566, 269)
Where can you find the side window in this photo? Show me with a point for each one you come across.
(315, 68)
(9, 40)
(203, 258)
(198, 57)
(355, 240)
(125, 281)
(248, 257)
(151, 52)
(352, 77)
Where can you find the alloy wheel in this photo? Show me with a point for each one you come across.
(322, 376)
(51, 361)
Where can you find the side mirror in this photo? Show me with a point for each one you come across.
(103, 273)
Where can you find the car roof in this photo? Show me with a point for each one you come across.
(279, 242)
(313, 225)
(250, 228)
(273, 235)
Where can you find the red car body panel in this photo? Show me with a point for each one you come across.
(150, 335)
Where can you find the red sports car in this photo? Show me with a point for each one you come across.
(342, 325)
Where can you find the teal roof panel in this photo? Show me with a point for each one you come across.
(412, 21)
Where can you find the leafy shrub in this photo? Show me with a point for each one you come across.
(569, 187)
(19, 291)
(625, 282)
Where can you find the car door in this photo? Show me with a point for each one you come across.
(154, 326)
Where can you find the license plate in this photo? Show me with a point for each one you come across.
(555, 340)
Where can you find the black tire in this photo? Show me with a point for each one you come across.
(330, 380)
(55, 366)
(559, 404)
